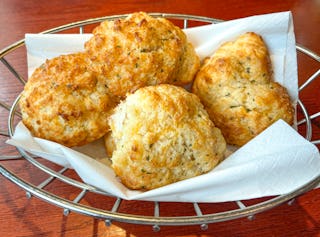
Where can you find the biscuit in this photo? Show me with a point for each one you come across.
(109, 144)
(235, 85)
(64, 102)
(139, 51)
(163, 134)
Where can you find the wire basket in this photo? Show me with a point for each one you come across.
(195, 213)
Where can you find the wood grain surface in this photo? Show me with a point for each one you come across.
(20, 216)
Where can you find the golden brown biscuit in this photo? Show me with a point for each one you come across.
(139, 51)
(236, 87)
(64, 102)
(163, 134)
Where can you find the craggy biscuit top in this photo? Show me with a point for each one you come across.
(162, 134)
(237, 89)
(64, 102)
(141, 50)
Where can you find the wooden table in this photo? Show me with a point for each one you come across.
(20, 216)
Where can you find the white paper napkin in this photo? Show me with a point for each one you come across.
(276, 162)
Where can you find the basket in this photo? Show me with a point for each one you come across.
(114, 208)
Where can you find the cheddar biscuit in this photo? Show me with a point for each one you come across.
(64, 102)
(141, 50)
(235, 85)
(162, 134)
